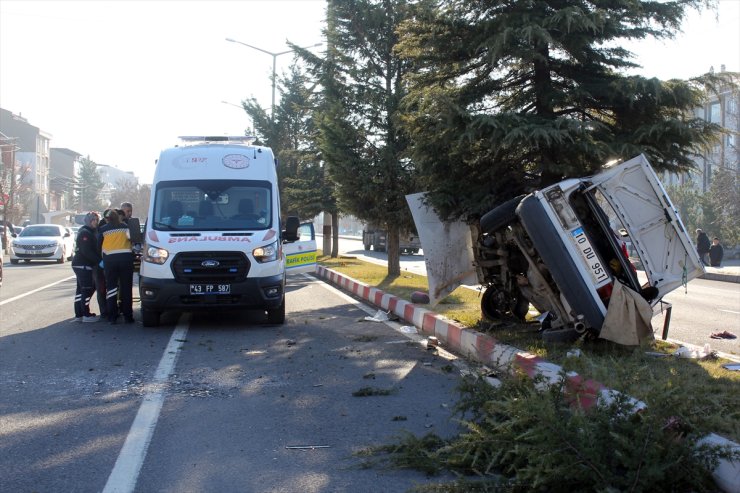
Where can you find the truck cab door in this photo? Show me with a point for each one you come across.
(300, 255)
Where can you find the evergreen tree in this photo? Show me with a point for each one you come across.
(722, 207)
(360, 138)
(515, 94)
(291, 132)
(89, 186)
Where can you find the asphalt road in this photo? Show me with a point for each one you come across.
(207, 402)
(704, 307)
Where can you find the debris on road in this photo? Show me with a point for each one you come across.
(723, 335)
(420, 297)
(306, 447)
(380, 316)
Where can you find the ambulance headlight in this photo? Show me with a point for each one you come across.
(267, 253)
(155, 255)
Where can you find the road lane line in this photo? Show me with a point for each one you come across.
(35, 290)
(125, 472)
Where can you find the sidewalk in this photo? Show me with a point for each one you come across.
(485, 349)
(729, 272)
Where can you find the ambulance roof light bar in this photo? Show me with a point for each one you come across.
(207, 139)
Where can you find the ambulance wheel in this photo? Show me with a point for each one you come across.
(149, 318)
(276, 316)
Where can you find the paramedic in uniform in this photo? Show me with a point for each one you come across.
(118, 265)
(84, 263)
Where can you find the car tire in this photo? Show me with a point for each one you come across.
(149, 318)
(27, 260)
(489, 305)
(276, 316)
(500, 216)
(367, 246)
(14, 261)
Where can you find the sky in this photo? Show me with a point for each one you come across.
(120, 80)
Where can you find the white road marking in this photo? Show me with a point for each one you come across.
(730, 311)
(35, 290)
(128, 465)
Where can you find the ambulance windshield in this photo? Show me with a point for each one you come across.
(213, 205)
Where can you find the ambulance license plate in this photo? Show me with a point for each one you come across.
(198, 289)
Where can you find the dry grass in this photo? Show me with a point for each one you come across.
(704, 394)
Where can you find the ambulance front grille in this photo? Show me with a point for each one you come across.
(202, 267)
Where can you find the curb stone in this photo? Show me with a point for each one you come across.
(486, 350)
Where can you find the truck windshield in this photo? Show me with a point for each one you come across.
(212, 205)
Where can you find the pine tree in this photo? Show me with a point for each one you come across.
(515, 94)
(89, 186)
(360, 137)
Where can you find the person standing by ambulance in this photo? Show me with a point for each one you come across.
(118, 265)
(84, 262)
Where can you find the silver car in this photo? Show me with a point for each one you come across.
(564, 247)
(42, 242)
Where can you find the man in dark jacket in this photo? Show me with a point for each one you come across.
(702, 245)
(85, 259)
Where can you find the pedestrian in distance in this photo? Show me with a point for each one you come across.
(85, 260)
(118, 265)
(716, 252)
(702, 245)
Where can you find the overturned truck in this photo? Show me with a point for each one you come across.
(563, 250)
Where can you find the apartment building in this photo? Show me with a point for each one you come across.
(32, 156)
(724, 110)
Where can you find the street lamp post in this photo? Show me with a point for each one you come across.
(274, 65)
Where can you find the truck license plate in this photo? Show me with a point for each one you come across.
(597, 270)
(196, 289)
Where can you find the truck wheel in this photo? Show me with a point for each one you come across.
(367, 246)
(276, 316)
(149, 318)
(500, 216)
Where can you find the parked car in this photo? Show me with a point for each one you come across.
(42, 242)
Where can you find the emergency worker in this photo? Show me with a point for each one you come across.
(118, 265)
(85, 260)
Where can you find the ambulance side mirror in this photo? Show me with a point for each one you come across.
(291, 229)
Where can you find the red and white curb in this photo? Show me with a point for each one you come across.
(486, 350)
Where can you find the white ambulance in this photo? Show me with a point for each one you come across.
(213, 237)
